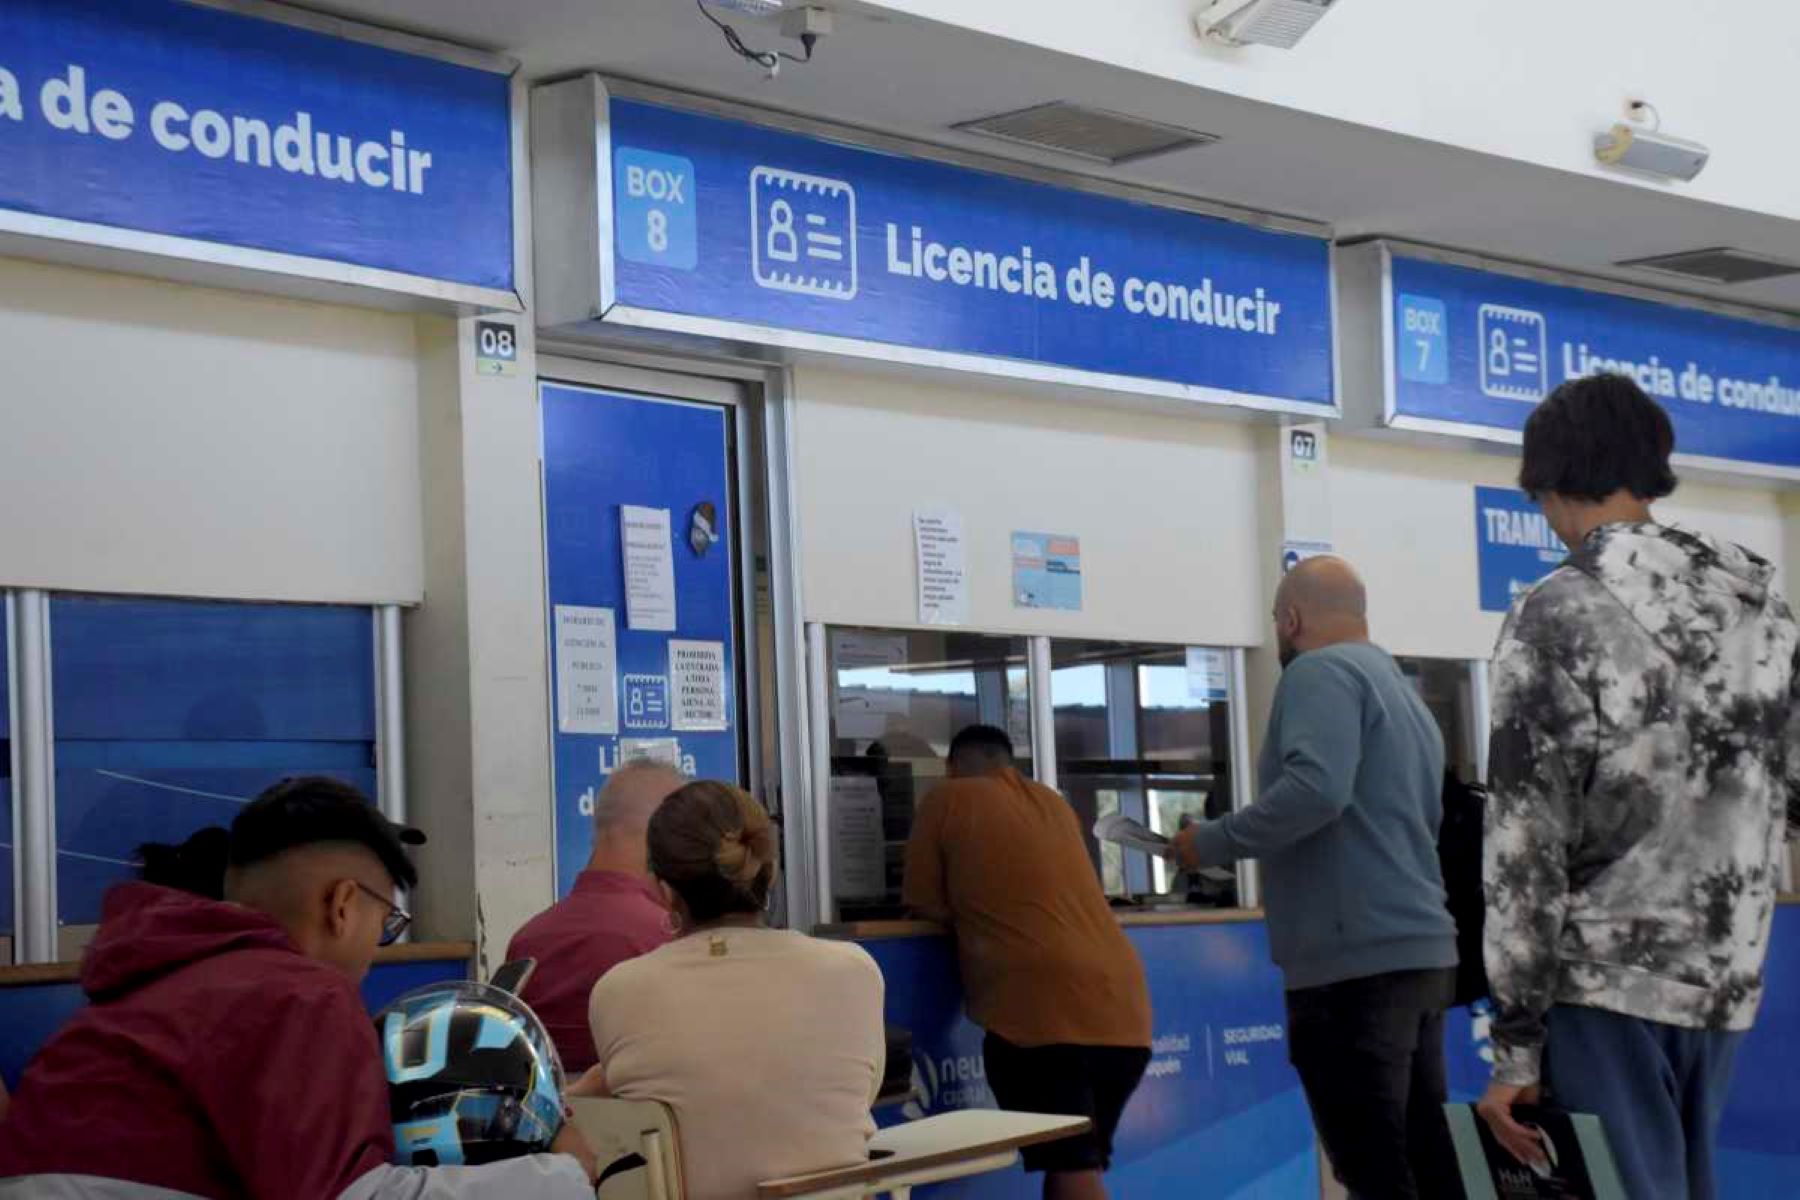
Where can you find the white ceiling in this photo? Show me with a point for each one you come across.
(917, 79)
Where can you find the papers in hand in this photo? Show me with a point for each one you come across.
(1133, 835)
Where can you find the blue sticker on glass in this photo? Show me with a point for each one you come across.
(653, 204)
(1424, 342)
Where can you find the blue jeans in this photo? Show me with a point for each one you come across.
(1658, 1089)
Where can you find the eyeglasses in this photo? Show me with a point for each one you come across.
(395, 923)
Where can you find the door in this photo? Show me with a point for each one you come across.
(641, 553)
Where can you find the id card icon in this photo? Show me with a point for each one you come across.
(1513, 353)
(803, 233)
(646, 701)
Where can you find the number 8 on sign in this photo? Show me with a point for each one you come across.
(653, 207)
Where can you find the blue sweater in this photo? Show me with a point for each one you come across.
(1347, 821)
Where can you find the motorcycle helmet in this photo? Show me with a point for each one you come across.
(472, 1076)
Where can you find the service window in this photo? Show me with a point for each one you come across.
(1145, 730)
(897, 698)
(1448, 687)
(169, 715)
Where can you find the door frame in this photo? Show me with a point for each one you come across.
(774, 735)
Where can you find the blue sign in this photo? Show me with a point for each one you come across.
(748, 226)
(1475, 348)
(602, 451)
(1514, 546)
(193, 122)
(1218, 1104)
(1046, 571)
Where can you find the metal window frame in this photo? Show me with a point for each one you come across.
(31, 700)
(812, 829)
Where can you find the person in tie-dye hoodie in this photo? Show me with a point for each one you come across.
(1642, 773)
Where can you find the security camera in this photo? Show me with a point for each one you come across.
(1650, 151)
(1279, 23)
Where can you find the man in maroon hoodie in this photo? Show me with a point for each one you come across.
(225, 1052)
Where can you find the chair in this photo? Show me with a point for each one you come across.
(635, 1143)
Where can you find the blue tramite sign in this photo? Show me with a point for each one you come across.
(1515, 546)
(746, 226)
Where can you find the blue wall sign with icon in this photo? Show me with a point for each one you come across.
(191, 121)
(728, 226)
(604, 451)
(1514, 546)
(1478, 349)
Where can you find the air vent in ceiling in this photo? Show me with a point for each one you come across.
(1717, 265)
(1090, 133)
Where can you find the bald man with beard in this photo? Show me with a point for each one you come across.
(1346, 827)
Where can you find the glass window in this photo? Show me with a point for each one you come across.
(169, 715)
(897, 698)
(1142, 730)
(1448, 688)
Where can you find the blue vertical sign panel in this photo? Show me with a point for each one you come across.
(1479, 349)
(194, 122)
(603, 451)
(1219, 1113)
(748, 226)
(1514, 546)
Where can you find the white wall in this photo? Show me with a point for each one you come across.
(1525, 79)
(179, 440)
(1405, 515)
(1165, 506)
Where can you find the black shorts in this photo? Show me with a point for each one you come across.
(1083, 1081)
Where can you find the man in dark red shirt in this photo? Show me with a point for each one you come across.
(613, 912)
(225, 1052)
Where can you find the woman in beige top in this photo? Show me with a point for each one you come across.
(767, 1044)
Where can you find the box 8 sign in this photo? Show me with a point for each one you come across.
(654, 204)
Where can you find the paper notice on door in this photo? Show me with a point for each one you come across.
(696, 686)
(587, 670)
(858, 850)
(852, 649)
(649, 568)
(943, 584)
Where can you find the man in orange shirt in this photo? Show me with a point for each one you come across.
(1046, 969)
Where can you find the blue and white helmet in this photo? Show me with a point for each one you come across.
(472, 1076)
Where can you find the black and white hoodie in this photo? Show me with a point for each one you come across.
(1642, 771)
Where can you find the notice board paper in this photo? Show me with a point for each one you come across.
(943, 583)
(587, 670)
(858, 851)
(697, 681)
(1208, 674)
(649, 568)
